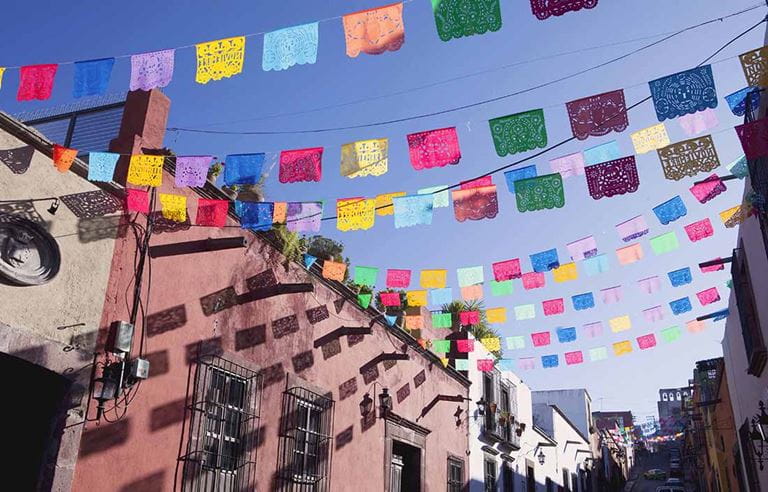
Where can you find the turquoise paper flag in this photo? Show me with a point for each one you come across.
(390, 319)
(309, 260)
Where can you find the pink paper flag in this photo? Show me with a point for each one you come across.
(709, 189)
(708, 296)
(137, 201)
(583, 248)
(693, 124)
(212, 212)
(472, 292)
(36, 82)
(699, 230)
(553, 307)
(611, 295)
(593, 330)
(477, 183)
(390, 298)
(398, 279)
(712, 268)
(465, 346)
(632, 229)
(650, 285)
(469, 317)
(533, 280)
(506, 270)
(526, 363)
(568, 165)
(572, 358)
(540, 339)
(301, 165)
(485, 365)
(646, 341)
(435, 148)
(653, 314)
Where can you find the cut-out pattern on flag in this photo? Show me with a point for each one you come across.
(565, 273)
(573, 358)
(255, 215)
(416, 298)
(566, 335)
(632, 229)
(174, 207)
(708, 296)
(441, 320)
(36, 82)
(650, 285)
(290, 46)
(582, 248)
(543, 9)
(713, 268)
(755, 66)
(440, 199)
(680, 277)
(477, 183)
(304, 216)
(150, 70)
(390, 299)
(374, 31)
(460, 364)
(219, 59)
(695, 326)
(137, 200)
(384, 203)
(412, 210)
(241, 169)
(470, 276)
(709, 189)
(459, 18)
(516, 343)
(568, 165)
(553, 307)
(92, 77)
(506, 270)
(533, 280)
(146, 170)
(609, 151)
(688, 158)
(475, 203)
(550, 361)
(519, 132)
(684, 93)
(583, 301)
(671, 334)
(334, 270)
(496, 315)
(612, 295)
(651, 138)
(541, 339)
(598, 353)
(736, 215)
(664, 243)
(525, 311)
(620, 323)
(434, 148)
(471, 293)
(596, 265)
(398, 279)
(612, 178)
(671, 210)
(630, 254)
(518, 174)
(593, 330)
(433, 279)
(301, 165)
(598, 115)
(738, 100)
(442, 296)
(754, 138)
(540, 193)
(491, 343)
(355, 214)
(699, 230)
(192, 170)
(503, 288)
(63, 158)
(414, 322)
(365, 158)
(622, 348)
(680, 306)
(696, 123)
(465, 346)
(365, 275)
(654, 314)
(212, 212)
(545, 260)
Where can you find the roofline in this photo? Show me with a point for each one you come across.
(555, 407)
(544, 434)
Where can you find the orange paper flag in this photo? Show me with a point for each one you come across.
(63, 157)
(375, 31)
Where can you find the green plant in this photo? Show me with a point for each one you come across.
(292, 245)
(215, 170)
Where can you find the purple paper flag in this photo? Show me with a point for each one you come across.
(696, 123)
(192, 170)
(150, 70)
(583, 248)
(304, 216)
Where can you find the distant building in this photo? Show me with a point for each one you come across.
(670, 406)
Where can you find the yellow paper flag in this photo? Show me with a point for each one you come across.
(565, 273)
(146, 170)
(492, 343)
(444, 360)
(496, 315)
(727, 214)
(651, 138)
(355, 214)
(621, 323)
(174, 207)
(364, 158)
(433, 279)
(384, 203)
(2, 71)
(279, 213)
(621, 348)
(219, 59)
(416, 298)
(333, 270)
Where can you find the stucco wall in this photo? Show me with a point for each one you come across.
(575, 403)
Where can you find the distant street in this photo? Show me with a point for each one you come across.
(656, 460)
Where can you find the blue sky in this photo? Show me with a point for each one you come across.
(372, 88)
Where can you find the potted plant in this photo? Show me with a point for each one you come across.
(504, 418)
(492, 407)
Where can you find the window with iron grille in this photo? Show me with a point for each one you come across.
(223, 430)
(455, 475)
(489, 395)
(490, 475)
(505, 429)
(754, 343)
(305, 441)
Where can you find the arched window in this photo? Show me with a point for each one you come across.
(679, 398)
(664, 396)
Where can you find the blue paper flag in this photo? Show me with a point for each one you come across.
(505, 364)
(255, 215)
(738, 100)
(548, 361)
(583, 301)
(309, 260)
(291, 46)
(720, 315)
(681, 306)
(684, 93)
(413, 210)
(390, 319)
(101, 166)
(671, 210)
(545, 260)
(608, 151)
(595, 265)
(739, 167)
(565, 335)
(240, 169)
(518, 174)
(680, 277)
(92, 77)
(439, 297)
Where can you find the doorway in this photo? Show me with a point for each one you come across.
(405, 475)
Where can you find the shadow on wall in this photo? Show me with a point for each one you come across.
(19, 159)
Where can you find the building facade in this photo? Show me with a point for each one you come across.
(670, 407)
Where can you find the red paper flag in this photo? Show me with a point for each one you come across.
(390, 298)
(553, 307)
(137, 201)
(212, 212)
(506, 270)
(36, 82)
(435, 148)
(469, 317)
(540, 339)
(465, 346)
(63, 157)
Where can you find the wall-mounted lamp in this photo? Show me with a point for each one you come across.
(457, 415)
(541, 457)
(385, 403)
(54, 207)
(759, 434)
(366, 406)
(481, 406)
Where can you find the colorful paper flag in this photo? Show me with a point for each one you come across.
(374, 31)
(472, 293)
(255, 215)
(611, 178)
(622, 348)
(416, 298)
(651, 138)
(598, 353)
(468, 318)
(699, 122)
(92, 77)
(680, 306)
(540, 193)
(545, 260)
(506, 270)
(365, 157)
(137, 200)
(355, 214)
(470, 276)
(503, 288)
(456, 18)
(150, 70)
(192, 170)
(708, 296)
(334, 270)
(440, 297)
(465, 346)
(290, 46)
(755, 66)
(583, 248)
(630, 254)
(566, 335)
(280, 212)
(414, 322)
(441, 320)
(525, 311)
(738, 100)
(708, 189)
(533, 280)
(688, 158)
(592, 330)
(174, 207)
(515, 343)
(364, 300)
(605, 152)
(412, 210)
(653, 314)
(671, 334)
(492, 344)
(384, 203)
(212, 212)
(301, 165)
(681, 277)
(36, 82)
(549, 361)
(650, 285)
(713, 268)
(519, 174)
(398, 279)
(583, 301)
(433, 279)
(541, 339)
(620, 323)
(695, 326)
(553, 307)
(63, 158)
(496, 315)
(440, 196)
(441, 346)
(304, 216)
(434, 148)
(241, 169)
(565, 273)
(365, 275)
(671, 210)
(596, 265)
(753, 138)
(632, 229)
(598, 115)
(664, 243)
(699, 230)
(572, 358)
(684, 93)
(390, 299)
(475, 203)
(146, 170)
(219, 59)
(611, 295)
(461, 364)
(568, 165)
(519, 132)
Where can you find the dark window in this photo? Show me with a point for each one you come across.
(508, 478)
(490, 476)
(550, 485)
(305, 436)
(574, 483)
(489, 395)
(530, 479)
(455, 475)
(745, 301)
(566, 480)
(505, 429)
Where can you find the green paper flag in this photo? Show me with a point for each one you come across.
(504, 288)
(470, 276)
(539, 193)
(519, 132)
(364, 300)
(515, 343)
(525, 311)
(459, 18)
(441, 320)
(664, 243)
(729, 284)
(670, 334)
(366, 275)
(462, 364)
(598, 353)
(441, 346)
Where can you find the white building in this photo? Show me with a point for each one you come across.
(571, 447)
